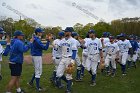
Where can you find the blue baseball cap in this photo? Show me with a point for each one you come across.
(61, 33)
(74, 34)
(18, 33)
(40, 30)
(91, 31)
(69, 29)
(111, 37)
(122, 35)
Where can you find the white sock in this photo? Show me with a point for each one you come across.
(8, 92)
(18, 89)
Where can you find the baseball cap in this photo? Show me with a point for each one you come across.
(61, 33)
(18, 33)
(91, 31)
(40, 30)
(69, 29)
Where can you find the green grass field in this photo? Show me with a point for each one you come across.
(118, 84)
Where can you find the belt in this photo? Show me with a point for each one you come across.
(124, 51)
(94, 54)
(67, 57)
(110, 54)
(12, 63)
(58, 57)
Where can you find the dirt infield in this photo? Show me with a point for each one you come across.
(47, 59)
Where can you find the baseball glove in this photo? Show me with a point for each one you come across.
(70, 69)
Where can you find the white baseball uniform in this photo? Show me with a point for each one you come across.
(85, 53)
(111, 50)
(139, 50)
(1, 51)
(93, 47)
(105, 40)
(124, 48)
(77, 60)
(67, 46)
(56, 53)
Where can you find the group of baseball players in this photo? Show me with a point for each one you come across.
(98, 53)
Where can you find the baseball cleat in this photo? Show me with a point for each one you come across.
(30, 84)
(78, 80)
(22, 91)
(124, 74)
(68, 91)
(113, 75)
(39, 89)
(93, 84)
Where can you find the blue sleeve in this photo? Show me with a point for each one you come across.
(74, 52)
(23, 48)
(7, 50)
(41, 45)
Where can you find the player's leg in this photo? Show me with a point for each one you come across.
(113, 63)
(123, 66)
(84, 58)
(38, 71)
(94, 65)
(60, 72)
(19, 71)
(31, 82)
(88, 65)
(134, 58)
(107, 61)
(78, 73)
(68, 77)
(56, 62)
(129, 61)
(14, 77)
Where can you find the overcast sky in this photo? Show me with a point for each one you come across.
(68, 12)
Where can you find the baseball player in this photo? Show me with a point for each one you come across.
(94, 47)
(124, 46)
(56, 55)
(134, 49)
(17, 48)
(138, 48)
(69, 51)
(36, 51)
(77, 60)
(112, 50)
(1, 49)
(105, 40)
(84, 55)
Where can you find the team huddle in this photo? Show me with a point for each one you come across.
(98, 53)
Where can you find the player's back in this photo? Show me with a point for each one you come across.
(57, 51)
(124, 45)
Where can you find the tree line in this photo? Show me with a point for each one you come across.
(115, 27)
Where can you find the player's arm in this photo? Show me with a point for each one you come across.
(102, 42)
(100, 51)
(7, 50)
(130, 48)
